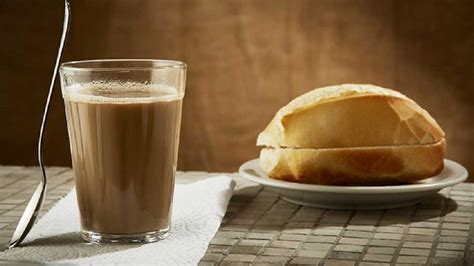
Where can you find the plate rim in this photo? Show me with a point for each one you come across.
(419, 187)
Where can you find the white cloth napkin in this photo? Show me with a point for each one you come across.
(198, 210)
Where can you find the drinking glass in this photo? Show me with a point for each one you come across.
(123, 118)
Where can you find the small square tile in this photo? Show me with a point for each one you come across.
(332, 231)
(381, 250)
(245, 250)
(265, 199)
(13, 213)
(267, 193)
(334, 216)
(394, 220)
(428, 212)
(453, 239)
(298, 231)
(459, 197)
(364, 221)
(311, 253)
(11, 226)
(449, 254)
(421, 231)
(419, 238)
(415, 252)
(353, 241)
(240, 257)
(284, 244)
(257, 235)
(411, 244)
(234, 228)
(4, 225)
(304, 261)
(12, 201)
(450, 261)
(321, 239)
(451, 246)
(332, 262)
(307, 214)
(214, 257)
(268, 229)
(278, 252)
(446, 232)
(6, 233)
(292, 237)
(384, 243)
(358, 234)
(284, 205)
(316, 246)
(366, 228)
(387, 236)
(424, 224)
(349, 248)
(299, 225)
(378, 258)
(366, 263)
(253, 242)
(412, 259)
(247, 213)
(223, 241)
(229, 234)
(8, 219)
(390, 229)
(457, 219)
(456, 226)
(271, 221)
(7, 206)
(233, 263)
(4, 240)
(344, 255)
(271, 260)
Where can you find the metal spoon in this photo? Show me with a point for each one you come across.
(36, 202)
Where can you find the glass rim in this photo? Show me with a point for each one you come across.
(84, 65)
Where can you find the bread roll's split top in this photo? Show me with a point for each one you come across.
(350, 115)
(320, 95)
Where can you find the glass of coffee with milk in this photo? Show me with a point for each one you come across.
(123, 119)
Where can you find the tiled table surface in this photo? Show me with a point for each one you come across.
(260, 228)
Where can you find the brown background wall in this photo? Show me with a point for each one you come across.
(246, 59)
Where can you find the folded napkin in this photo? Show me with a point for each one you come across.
(198, 210)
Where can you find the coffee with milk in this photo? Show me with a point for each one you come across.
(124, 142)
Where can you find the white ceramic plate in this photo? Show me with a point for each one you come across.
(356, 197)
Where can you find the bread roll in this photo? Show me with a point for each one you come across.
(350, 116)
(352, 135)
(382, 165)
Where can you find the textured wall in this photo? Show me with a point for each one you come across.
(246, 59)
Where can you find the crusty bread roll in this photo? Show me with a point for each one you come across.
(379, 165)
(352, 135)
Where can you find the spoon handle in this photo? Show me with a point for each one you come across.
(33, 208)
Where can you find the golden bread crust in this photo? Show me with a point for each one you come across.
(356, 120)
(385, 165)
